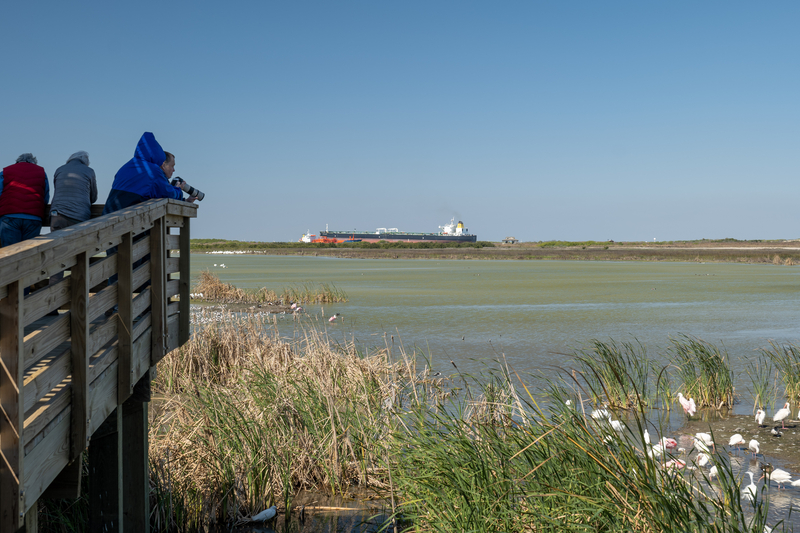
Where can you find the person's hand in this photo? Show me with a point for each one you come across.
(191, 199)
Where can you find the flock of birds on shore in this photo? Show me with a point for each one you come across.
(206, 315)
(704, 444)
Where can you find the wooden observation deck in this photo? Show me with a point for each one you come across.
(77, 354)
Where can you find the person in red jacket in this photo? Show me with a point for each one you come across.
(24, 193)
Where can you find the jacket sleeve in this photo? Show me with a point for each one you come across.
(162, 189)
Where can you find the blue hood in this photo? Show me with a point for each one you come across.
(141, 178)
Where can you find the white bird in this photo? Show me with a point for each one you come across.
(266, 514)
(753, 446)
(701, 446)
(702, 459)
(781, 415)
(779, 476)
(617, 426)
(760, 415)
(601, 414)
(749, 492)
(712, 473)
(689, 406)
(776, 433)
(655, 451)
(737, 440)
(646, 436)
(707, 440)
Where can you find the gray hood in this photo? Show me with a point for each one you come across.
(81, 156)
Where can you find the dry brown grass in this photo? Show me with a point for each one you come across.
(214, 290)
(244, 420)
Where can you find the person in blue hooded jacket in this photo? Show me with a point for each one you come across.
(144, 177)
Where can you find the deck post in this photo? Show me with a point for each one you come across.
(105, 475)
(184, 285)
(135, 467)
(158, 288)
(12, 369)
(125, 317)
(79, 339)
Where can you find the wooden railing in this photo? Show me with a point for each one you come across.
(75, 345)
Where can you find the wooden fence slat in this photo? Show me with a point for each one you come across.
(46, 300)
(79, 325)
(48, 372)
(42, 341)
(125, 317)
(184, 288)
(12, 470)
(173, 242)
(158, 289)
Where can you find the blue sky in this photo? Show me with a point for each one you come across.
(542, 120)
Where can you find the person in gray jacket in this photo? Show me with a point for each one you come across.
(75, 192)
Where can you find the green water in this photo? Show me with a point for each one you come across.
(531, 312)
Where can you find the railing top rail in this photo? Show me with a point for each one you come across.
(19, 260)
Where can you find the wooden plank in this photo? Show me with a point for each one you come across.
(173, 265)
(101, 302)
(141, 248)
(12, 472)
(173, 242)
(102, 270)
(101, 334)
(46, 374)
(173, 308)
(101, 361)
(46, 461)
(141, 354)
(173, 221)
(181, 208)
(173, 289)
(125, 318)
(184, 330)
(67, 484)
(79, 325)
(141, 325)
(136, 489)
(173, 335)
(45, 411)
(141, 275)
(158, 301)
(42, 341)
(45, 300)
(102, 399)
(141, 302)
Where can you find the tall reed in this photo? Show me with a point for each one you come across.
(786, 358)
(703, 372)
(616, 375)
(531, 471)
(762, 376)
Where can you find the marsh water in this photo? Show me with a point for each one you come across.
(531, 315)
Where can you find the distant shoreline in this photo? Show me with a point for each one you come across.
(752, 252)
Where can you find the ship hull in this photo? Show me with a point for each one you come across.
(398, 237)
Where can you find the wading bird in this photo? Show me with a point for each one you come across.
(689, 406)
(781, 415)
(712, 473)
(707, 440)
(737, 440)
(753, 446)
(334, 317)
(777, 475)
(749, 492)
(760, 415)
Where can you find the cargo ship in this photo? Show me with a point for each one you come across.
(452, 232)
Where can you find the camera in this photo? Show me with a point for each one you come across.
(188, 189)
